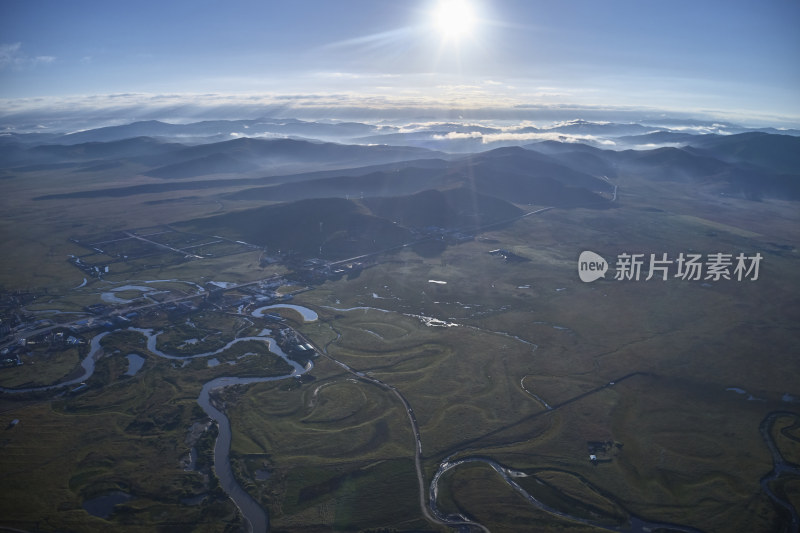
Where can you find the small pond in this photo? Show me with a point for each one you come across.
(102, 506)
(135, 363)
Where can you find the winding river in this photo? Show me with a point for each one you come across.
(307, 314)
(254, 515)
(87, 364)
(636, 525)
(780, 467)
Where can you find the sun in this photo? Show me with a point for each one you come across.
(454, 19)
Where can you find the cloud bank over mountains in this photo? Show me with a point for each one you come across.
(74, 113)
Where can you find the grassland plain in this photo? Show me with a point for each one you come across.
(786, 433)
(339, 453)
(477, 490)
(41, 367)
(128, 437)
(691, 450)
(36, 233)
(123, 433)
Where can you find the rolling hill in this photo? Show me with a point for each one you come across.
(512, 174)
(752, 165)
(210, 129)
(459, 208)
(332, 228)
(779, 153)
(336, 228)
(171, 160)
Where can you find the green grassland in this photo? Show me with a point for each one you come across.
(786, 434)
(127, 436)
(479, 492)
(124, 433)
(41, 367)
(36, 234)
(692, 453)
(339, 452)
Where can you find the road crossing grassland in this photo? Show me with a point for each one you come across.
(461, 382)
(692, 452)
(693, 342)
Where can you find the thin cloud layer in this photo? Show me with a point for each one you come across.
(409, 112)
(487, 138)
(11, 55)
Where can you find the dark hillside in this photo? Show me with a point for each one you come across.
(332, 228)
(779, 153)
(395, 182)
(133, 148)
(219, 163)
(453, 208)
(512, 174)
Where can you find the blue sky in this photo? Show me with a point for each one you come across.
(732, 59)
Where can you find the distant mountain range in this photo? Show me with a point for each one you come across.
(448, 136)
(753, 164)
(207, 130)
(246, 154)
(362, 194)
(512, 174)
(171, 160)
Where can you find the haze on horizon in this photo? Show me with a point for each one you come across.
(733, 60)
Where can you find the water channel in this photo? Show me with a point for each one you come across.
(636, 524)
(780, 468)
(254, 515)
(307, 314)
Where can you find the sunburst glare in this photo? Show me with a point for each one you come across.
(454, 19)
